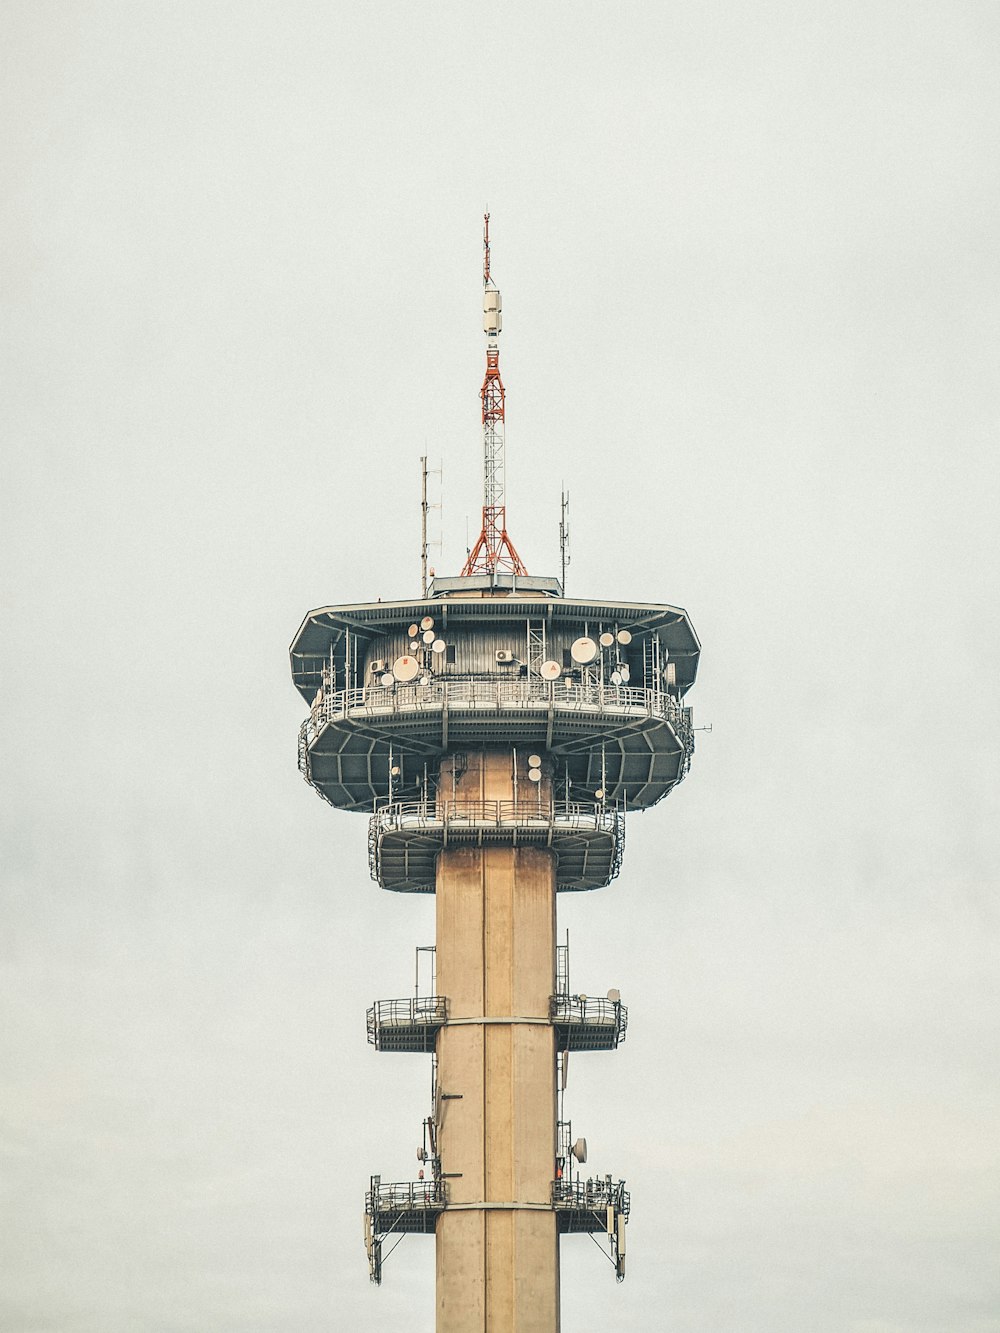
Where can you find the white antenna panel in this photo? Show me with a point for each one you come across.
(583, 650)
(405, 668)
(550, 671)
(624, 636)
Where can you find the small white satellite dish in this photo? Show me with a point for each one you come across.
(615, 996)
(579, 1150)
(414, 645)
(625, 671)
(438, 646)
(386, 678)
(550, 671)
(624, 636)
(427, 622)
(607, 639)
(395, 770)
(600, 793)
(412, 631)
(617, 678)
(583, 650)
(421, 1154)
(405, 668)
(425, 680)
(429, 636)
(534, 761)
(534, 775)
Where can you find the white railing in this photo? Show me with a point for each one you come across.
(584, 816)
(490, 694)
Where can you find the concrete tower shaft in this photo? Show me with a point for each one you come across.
(497, 1246)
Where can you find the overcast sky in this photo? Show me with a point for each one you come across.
(748, 257)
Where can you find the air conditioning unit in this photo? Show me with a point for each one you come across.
(377, 665)
(505, 657)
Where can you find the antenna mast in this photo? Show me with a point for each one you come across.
(493, 552)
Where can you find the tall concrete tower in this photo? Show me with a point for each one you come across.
(495, 733)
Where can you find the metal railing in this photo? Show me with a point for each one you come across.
(407, 1196)
(421, 1011)
(595, 1195)
(571, 816)
(589, 1011)
(490, 693)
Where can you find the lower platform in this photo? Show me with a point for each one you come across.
(405, 838)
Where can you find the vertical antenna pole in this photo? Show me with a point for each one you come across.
(423, 525)
(564, 537)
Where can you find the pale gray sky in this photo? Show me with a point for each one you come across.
(748, 256)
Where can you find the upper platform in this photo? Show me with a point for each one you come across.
(597, 686)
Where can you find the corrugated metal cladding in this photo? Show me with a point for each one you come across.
(476, 647)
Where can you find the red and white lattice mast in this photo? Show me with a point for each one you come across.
(494, 551)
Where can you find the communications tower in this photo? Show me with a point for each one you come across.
(495, 733)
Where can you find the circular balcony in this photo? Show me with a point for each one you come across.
(405, 837)
(635, 743)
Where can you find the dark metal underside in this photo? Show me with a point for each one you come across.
(634, 744)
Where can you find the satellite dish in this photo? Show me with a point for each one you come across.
(412, 631)
(405, 668)
(579, 1150)
(615, 996)
(617, 678)
(550, 671)
(583, 650)
(425, 680)
(429, 636)
(534, 761)
(600, 793)
(386, 678)
(414, 645)
(395, 770)
(625, 672)
(534, 775)
(438, 646)
(421, 1154)
(624, 636)
(427, 622)
(607, 639)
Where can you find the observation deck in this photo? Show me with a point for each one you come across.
(405, 837)
(637, 742)
(596, 687)
(407, 1025)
